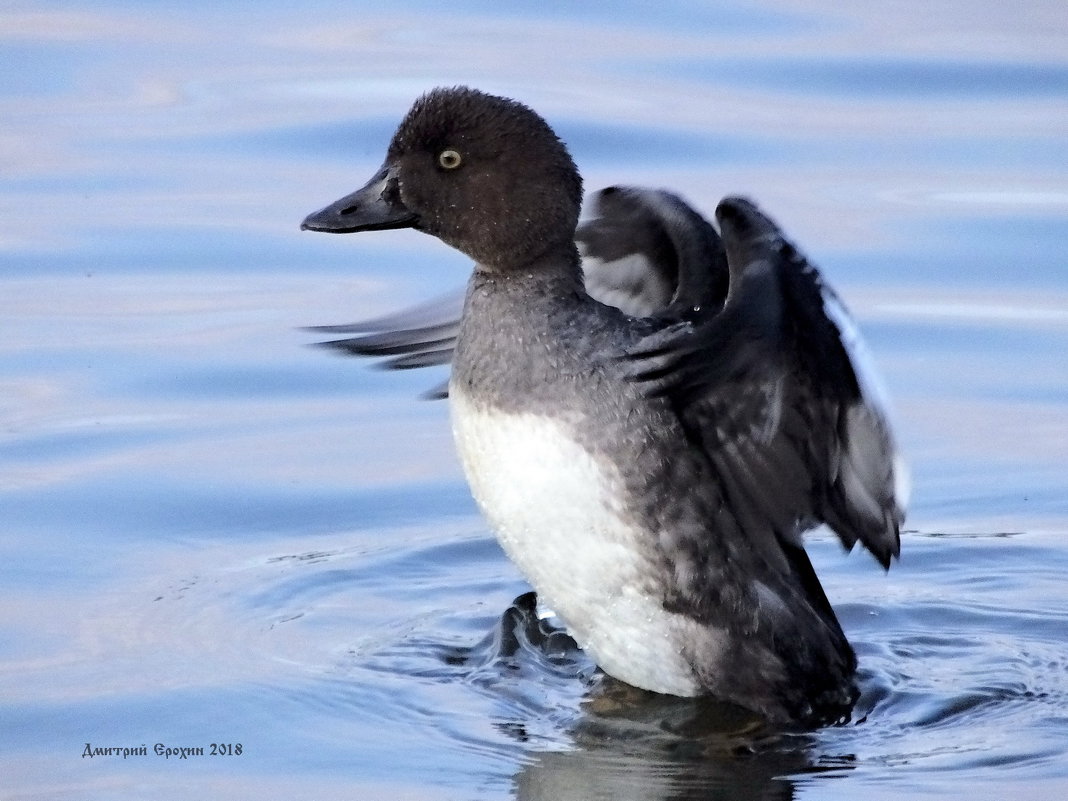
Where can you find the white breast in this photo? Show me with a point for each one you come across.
(554, 508)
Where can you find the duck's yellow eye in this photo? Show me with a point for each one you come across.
(449, 159)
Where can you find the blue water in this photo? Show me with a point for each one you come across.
(212, 533)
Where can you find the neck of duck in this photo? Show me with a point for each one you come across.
(559, 265)
(508, 349)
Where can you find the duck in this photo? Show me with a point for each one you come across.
(650, 470)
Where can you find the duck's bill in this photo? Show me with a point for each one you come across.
(375, 207)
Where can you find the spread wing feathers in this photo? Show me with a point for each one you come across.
(421, 336)
(775, 389)
(644, 251)
(647, 252)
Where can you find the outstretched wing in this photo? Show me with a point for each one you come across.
(648, 252)
(776, 390)
(421, 336)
